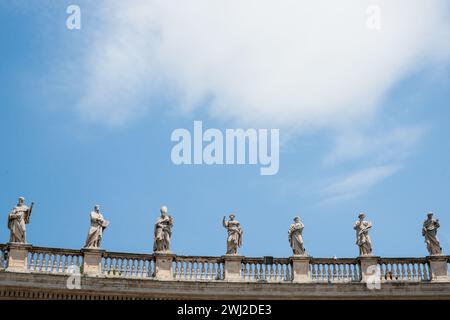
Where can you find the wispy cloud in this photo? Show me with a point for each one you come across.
(376, 145)
(357, 183)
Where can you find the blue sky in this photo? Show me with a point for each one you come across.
(86, 117)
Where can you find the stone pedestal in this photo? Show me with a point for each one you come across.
(368, 265)
(92, 261)
(233, 267)
(438, 268)
(163, 265)
(18, 257)
(300, 269)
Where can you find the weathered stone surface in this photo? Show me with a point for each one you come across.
(18, 257)
(49, 286)
(92, 262)
(233, 267)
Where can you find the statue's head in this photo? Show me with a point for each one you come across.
(430, 215)
(297, 219)
(232, 216)
(21, 201)
(163, 210)
(97, 208)
(361, 216)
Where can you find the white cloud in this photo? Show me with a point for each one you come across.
(291, 64)
(357, 183)
(284, 63)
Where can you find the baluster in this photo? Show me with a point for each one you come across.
(176, 274)
(55, 263)
(122, 267)
(62, 258)
(32, 261)
(397, 272)
(261, 271)
(44, 262)
(273, 271)
(328, 272)
(344, 272)
(356, 272)
(213, 270)
(133, 267)
(127, 267)
(333, 267)
(183, 270)
(189, 268)
(408, 271)
(426, 275)
(203, 267)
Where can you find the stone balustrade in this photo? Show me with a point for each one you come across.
(170, 267)
(3, 257)
(119, 264)
(404, 269)
(198, 268)
(267, 269)
(334, 270)
(54, 260)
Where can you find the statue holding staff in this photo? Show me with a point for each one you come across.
(235, 233)
(295, 237)
(163, 232)
(363, 240)
(98, 225)
(429, 231)
(17, 221)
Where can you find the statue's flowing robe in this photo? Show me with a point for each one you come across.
(296, 239)
(163, 232)
(362, 237)
(17, 220)
(234, 239)
(429, 231)
(95, 230)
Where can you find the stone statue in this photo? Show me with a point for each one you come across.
(429, 231)
(98, 225)
(362, 235)
(17, 219)
(235, 233)
(163, 232)
(295, 237)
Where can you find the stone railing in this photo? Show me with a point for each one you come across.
(198, 268)
(404, 269)
(334, 270)
(267, 269)
(25, 258)
(53, 260)
(3, 257)
(119, 264)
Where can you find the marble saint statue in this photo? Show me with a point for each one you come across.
(235, 233)
(429, 231)
(163, 232)
(17, 221)
(98, 225)
(295, 237)
(363, 240)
